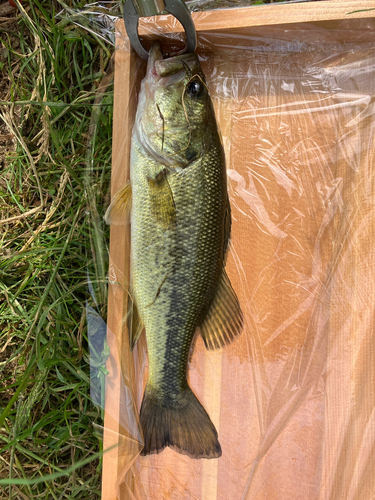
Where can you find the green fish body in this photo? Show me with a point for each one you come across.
(180, 226)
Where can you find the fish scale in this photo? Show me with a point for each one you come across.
(196, 268)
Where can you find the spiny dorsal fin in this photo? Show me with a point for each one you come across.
(162, 202)
(224, 320)
(118, 211)
(135, 324)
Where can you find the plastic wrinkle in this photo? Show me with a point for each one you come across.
(101, 18)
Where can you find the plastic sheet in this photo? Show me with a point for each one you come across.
(293, 397)
(100, 18)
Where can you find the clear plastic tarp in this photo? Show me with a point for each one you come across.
(292, 398)
(99, 18)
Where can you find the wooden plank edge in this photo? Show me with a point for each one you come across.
(117, 299)
(272, 14)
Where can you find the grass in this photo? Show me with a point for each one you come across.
(57, 110)
(56, 104)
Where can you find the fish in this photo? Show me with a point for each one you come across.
(178, 205)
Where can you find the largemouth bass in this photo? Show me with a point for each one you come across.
(180, 227)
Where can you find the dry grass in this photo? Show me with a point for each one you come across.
(54, 156)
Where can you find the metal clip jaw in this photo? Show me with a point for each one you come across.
(134, 9)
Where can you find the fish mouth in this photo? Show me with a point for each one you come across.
(158, 67)
(154, 56)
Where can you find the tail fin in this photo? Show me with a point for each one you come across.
(186, 428)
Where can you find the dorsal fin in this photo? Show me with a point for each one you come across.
(224, 319)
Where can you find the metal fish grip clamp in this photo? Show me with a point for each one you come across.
(134, 9)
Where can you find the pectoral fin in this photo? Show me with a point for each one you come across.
(162, 202)
(224, 320)
(118, 211)
(135, 324)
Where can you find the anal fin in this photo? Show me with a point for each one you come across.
(224, 319)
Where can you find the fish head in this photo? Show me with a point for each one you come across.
(175, 118)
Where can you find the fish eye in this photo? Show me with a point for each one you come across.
(195, 88)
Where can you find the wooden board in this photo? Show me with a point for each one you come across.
(284, 316)
(265, 15)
